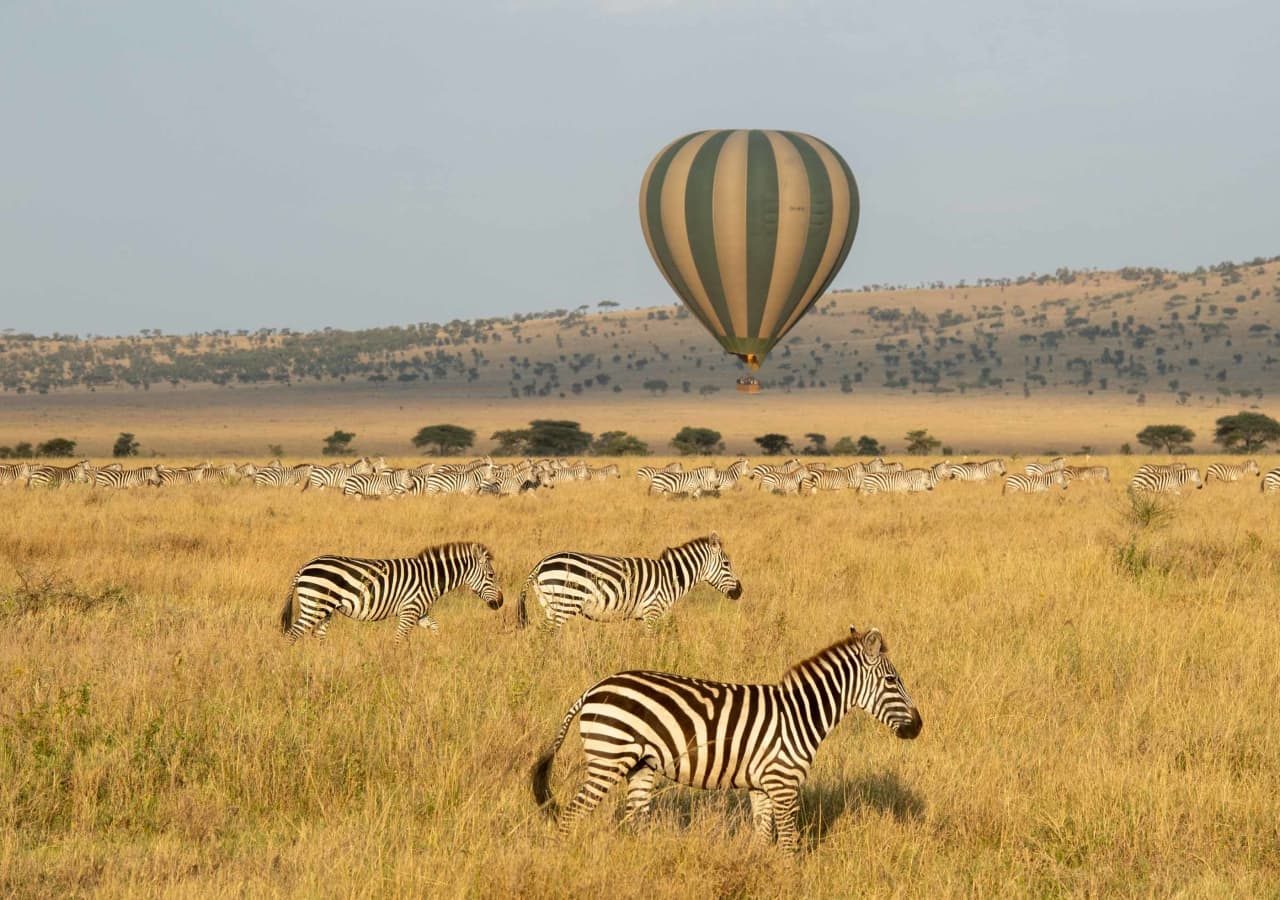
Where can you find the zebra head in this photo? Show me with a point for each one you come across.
(879, 689)
(718, 570)
(480, 577)
(1251, 467)
(1193, 476)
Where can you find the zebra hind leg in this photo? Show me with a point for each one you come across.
(640, 792)
(407, 619)
(602, 774)
(762, 816)
(427, 622)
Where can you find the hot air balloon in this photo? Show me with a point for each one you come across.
(749, 228)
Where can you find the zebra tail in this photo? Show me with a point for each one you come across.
(289, 612)
(522, 612)
(540, 775)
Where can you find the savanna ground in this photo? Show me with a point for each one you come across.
(1098, 697)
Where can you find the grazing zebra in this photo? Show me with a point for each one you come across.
(607, 588)
(1165, 482)
(1088, 473)
(983, 471)
(1054, 465)
(57, 476)
(886, 482)
(9, 473)
(1231, 472)
(717, 735)
(381, 484)
(691, 483)
(785, 482)
(1271, 482)
(1036, 484)
(373, 589)
(277, 476)
(117, 478)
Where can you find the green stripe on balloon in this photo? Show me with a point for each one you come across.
(762, 225)
(653, 216)
(815, 243)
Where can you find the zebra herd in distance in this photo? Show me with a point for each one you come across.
(637, 725)
(374, 478)
(796, 477)
(363, 478)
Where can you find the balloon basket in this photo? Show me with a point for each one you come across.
(748, 386)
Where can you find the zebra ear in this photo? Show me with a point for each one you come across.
(714, 538)
(853, 630)
(872, 644)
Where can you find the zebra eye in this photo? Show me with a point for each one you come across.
(891, 680)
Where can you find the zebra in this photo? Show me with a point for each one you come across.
(1088, 473)
(1271, 482)
(335, 476)
(278, 476)
(57, 476)
(888, 483)
(716, 735)
(1160, 469)
(607, 588)
(878, 466)
(373, 589)
(1231, 472)
(728, 479)
(604, 473)
(456, 482)
(189, 475)
(920, 480)
(377, 485)
(9, 473)
(692, 483)
(118, 478)
(983, 471)
(786, 482)
(1054, 465)
(835, 479)
(1018, 483)
(1165, 482)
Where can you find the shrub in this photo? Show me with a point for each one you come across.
(774, 444)
(55, 447)
(693, 441)
(338, 443)
(125, 445)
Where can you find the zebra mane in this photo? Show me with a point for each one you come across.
(711, 540)
(457, 548)
(854, 638)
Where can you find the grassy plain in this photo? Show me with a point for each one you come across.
(242, 422)
(1098, 697)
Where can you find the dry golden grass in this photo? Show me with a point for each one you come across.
(1098, 697)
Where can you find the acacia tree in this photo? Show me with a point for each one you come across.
(444, 440)
(125, 445)
(817, 445)
(56, 447)
(338, 443)
(1246, 432)
(619, 443)
(698, 441)
(774, 444)
(921, 443)
(1169, 438)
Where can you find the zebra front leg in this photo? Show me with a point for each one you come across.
(640, 793)
(407, 619)
(785, 803)
(761, 816)
(601, 776)
(322, 627)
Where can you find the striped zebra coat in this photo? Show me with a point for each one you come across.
(835, 479)
(716, 735)
(277, 476)
(973, 471)
(609, 588)
(10, 473)
(188, 475)
(1271, 482)
(59, 476)
(1088, 473)
(1054, 465)
(899, 482)
(1168, 482)
(374, 589)
(691, 483)
(381, 484)
(1036, 484)
(1231, 472)
(126, 478)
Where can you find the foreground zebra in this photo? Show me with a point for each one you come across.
(1036, 484)
(373, 589)
(708, 734)
(1170, 482)
(1230, 471)
(607, 588)
(1271, 482)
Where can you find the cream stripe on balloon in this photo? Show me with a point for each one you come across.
(793, 229)
(729, 211)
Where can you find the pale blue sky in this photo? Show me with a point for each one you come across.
(193, 165)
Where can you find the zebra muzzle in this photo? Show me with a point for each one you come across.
(736, 591)
(496, 601)
(911, 730)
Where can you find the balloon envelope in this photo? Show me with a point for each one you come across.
(749, 228)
